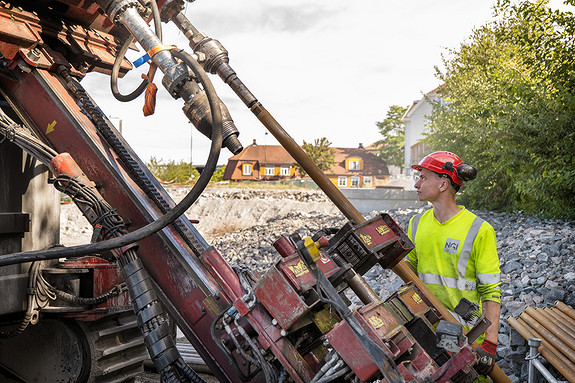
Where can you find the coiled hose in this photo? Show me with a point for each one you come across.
(120, 56)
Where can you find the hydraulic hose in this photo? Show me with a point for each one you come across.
(122, 53)
(160, 223)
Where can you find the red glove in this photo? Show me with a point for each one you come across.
(486, 357)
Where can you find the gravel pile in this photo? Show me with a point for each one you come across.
(535, 254)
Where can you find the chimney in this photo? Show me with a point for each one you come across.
(254, 143)
(360, 145)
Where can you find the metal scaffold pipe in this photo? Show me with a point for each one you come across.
(559, 317)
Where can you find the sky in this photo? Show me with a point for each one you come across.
(322, 68)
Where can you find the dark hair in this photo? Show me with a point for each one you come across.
(455, 186)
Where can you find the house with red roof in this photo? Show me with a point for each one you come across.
(261, 163)
(354, 167)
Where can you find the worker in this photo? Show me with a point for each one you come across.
(455, 251)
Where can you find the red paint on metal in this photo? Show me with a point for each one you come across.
(223, 272)
(280, 299)
(461, 361)
(378, 318)
(284, 247)
(345, 342)
(104, 277)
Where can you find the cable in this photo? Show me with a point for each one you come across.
(335, 375)
(160, 223)
(37, 299)
(22, 137)
(269, 371)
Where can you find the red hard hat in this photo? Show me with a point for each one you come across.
(442, 163)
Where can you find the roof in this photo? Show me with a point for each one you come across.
(278, 155)
(417, 103)
(265, 154)
(372, 165)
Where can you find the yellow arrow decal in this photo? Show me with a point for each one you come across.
(51, 127)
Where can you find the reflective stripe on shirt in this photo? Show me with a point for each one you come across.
(461, 283)
(468, 246)
(486, 279)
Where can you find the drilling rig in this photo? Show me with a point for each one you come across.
(95, 312)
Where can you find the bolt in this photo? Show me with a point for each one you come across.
(283, 333)
(274, 322)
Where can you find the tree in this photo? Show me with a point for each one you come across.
(509, 110)
(391, 147)
(218, 174)
(172, 171)
(320, 153)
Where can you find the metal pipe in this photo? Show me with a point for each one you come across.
(545, 349)
(566, 309)
(363, 290)
(126, 13)
(535, 364)
(549, 336)
(547, 321)
(560, 317)
(561, 362)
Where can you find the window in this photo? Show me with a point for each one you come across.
(354, 182)
(354, 165)
(270, 170)
(247, 169)
(341, 181)
(285, 171)
(367, 181)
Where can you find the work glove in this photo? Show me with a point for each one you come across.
(486, 357)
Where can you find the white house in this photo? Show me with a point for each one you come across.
(416, 120)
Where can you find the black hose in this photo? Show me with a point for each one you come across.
(229, 356)
(82, 301)
(160, 223)
(115, 72)
(120, 56)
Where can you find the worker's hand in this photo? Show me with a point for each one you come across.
(486, 357)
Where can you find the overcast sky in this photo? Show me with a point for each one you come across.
(323, 68)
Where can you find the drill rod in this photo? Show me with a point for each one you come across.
(357, 284)
(343, 204)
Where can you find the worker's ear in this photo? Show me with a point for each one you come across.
(444, 185)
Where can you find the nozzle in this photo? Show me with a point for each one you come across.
(197, 109)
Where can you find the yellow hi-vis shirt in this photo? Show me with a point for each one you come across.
(456, 259)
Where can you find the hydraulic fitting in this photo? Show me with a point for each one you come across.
(197, 109)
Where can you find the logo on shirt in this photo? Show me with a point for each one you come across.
(451, 246)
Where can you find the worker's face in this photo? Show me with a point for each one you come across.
(429, 185)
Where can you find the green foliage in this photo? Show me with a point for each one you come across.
(509, 109)
(320, 153)
(172, 171)
(391, 147)
(218, 174)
